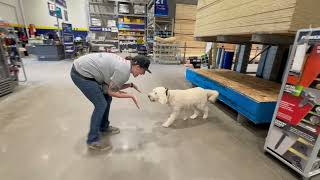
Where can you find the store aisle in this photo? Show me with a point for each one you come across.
(43, 127)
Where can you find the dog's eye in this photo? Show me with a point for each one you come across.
(155, 93)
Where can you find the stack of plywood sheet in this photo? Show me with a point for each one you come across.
(230, 17)
(184, 30)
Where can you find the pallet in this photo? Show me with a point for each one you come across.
(250, 96)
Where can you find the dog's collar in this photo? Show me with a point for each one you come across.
(167, 94)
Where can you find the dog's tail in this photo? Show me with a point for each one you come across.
(212, 95)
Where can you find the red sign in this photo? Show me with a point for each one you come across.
(291, 110)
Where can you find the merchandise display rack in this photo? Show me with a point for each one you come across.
(120, 27)
(161, 26)
(10, 60)
(293, 136)
(165, 53)
(6, 82)
(101, 34)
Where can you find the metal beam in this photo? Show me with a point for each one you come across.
(242, 57)
(206, 38)
(214, 51)
(233, 39)
(272, 63)
(273, 39)
(225, 39)
(237, 52)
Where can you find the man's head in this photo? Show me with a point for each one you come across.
(139, 64)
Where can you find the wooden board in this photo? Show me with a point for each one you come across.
(185, 11)
(184, 27)
(302, 17)
(185, 37)
(228, 17)
(230, 47)
(184, 31)
(191, 52)
(258, 89)
(191, 44)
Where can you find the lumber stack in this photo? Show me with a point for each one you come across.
(184, 30)
(241, 17)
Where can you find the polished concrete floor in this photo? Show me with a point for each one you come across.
(43, 127)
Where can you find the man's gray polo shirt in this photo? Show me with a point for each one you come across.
(104, 68)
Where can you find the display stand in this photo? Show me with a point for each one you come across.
(293, 136)
(159, 23)
(165, 53)
(68, 40)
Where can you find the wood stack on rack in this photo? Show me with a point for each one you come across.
(225, 17)
(184, 30)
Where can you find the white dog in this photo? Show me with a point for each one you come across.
(193, 99)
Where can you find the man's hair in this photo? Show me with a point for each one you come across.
(130, 58)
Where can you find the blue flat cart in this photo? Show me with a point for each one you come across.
(253, 98)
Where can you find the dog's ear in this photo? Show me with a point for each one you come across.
(163, 98)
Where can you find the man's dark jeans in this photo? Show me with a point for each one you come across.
(94, 92)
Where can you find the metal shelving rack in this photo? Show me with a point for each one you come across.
(105, 10)
(131, 38)
(101, 34)
(157, 26)
(165, 53)
(6, 82)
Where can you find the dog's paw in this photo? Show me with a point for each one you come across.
(185, 118)
(166, 125)
(205, 117)
(194, 116)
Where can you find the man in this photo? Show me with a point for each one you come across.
(101, 76)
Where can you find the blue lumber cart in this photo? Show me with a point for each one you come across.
(252, 97)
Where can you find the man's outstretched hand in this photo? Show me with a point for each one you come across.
(134, 98)
(136, 87)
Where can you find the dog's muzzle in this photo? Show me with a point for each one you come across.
(151, 99)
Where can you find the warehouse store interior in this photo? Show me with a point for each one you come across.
(159, 89)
